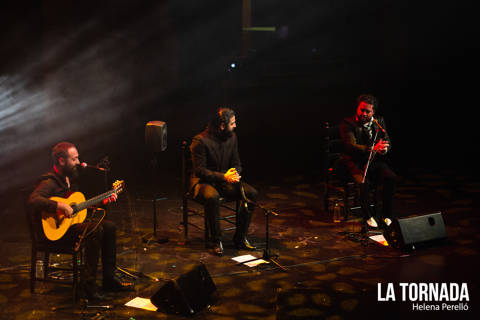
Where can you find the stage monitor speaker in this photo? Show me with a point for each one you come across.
(156, 136)
(406, 233)
(186, 294)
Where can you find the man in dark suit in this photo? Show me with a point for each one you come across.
(216, 174)
(360, 134)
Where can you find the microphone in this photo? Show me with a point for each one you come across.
(378, 124)
(86, 165)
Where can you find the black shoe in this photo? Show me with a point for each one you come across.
(244, 245)
(115, 285)
(218, 249)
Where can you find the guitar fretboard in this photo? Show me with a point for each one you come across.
(92, 201)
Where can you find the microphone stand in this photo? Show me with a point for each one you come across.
(155, 238)
(370, 157)
(372, 153)
(104, 165)
(266, 252)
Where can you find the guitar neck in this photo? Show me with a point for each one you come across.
(93, 201)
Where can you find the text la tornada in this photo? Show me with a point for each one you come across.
(423, 292)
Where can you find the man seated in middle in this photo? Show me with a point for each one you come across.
(216, 173)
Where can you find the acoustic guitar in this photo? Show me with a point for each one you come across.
(55, 225)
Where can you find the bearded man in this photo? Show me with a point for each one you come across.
(216, 174)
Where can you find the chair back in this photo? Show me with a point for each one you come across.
(33, 220)
(186, 165)
(334, 146)
(30, 218)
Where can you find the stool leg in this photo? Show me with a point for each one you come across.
(32, 269)
(185, 218)
(346, 201)
(46, 264)
(75, 276)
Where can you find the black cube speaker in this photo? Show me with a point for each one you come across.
(186, 294)
(156, 136)
(406, 233)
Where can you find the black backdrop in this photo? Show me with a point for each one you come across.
(94, 74)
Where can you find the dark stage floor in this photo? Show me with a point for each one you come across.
(328, 276)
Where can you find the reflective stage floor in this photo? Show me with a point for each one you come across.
(327, 274)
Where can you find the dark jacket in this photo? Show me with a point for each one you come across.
(49, 185)
(212, 157)
(356, 141)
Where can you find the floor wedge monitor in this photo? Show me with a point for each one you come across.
(407, 233)
(187, 294)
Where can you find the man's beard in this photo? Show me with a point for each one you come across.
(225, 134)
(72, 172)
(363, 120)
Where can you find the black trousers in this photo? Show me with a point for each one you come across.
(209, 195)
(379, 174)
(100, 240)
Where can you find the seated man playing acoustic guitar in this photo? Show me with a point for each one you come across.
(60, 182)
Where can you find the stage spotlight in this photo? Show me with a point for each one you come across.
(232, 67)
